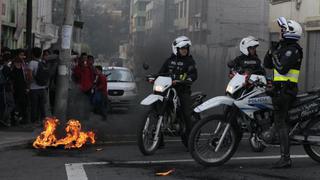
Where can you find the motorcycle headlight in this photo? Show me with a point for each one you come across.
(229, 89)
(158, 88)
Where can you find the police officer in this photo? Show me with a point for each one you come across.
(248, 61)
(285, 60)
(182, 66)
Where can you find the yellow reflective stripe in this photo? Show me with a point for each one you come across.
(183, 76)
(292, 75)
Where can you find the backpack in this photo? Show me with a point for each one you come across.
(43, 74)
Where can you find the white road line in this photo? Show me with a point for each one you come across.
(75, 171)
(191, 160)
(268, 157)
(126, 142)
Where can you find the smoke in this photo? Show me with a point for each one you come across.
(106, 25)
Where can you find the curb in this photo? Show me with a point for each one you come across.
(15, 145)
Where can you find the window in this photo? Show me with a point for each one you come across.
(185, 8)
(278, 1)
(12, 12)
(180, 9)
(3, 9)
(176, 11)
(204, 14)
(119, 75)
(141, 21)
(141, 6)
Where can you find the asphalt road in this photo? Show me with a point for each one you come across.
(124, 161)
(121, 159)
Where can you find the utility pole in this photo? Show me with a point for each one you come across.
(61, 99)
(29, 27)
(0, 22)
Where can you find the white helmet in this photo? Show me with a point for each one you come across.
(180, 42)
(247, 42)
(290, 29)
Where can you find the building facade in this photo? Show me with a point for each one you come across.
(13, 16)
(14, 12)
(138, 21)
(216, 28)
(307, 13)
(45, 32)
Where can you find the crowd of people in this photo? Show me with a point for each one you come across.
(28, 85)
(25, 84)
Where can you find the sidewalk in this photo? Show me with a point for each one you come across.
(16, 138)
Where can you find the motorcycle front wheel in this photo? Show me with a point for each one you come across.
(205, 138)
(147, 132)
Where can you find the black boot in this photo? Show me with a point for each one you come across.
(285, 160)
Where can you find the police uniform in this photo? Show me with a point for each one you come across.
(244, 63)
(182, 68)
(285, 61)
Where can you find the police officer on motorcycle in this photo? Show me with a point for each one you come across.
(285, 61)
(248, 61)
(183, 68)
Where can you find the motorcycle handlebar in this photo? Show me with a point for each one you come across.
(151, 78)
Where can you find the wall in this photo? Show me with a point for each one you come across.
(228, 22)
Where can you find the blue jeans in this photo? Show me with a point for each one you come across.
(98, 102)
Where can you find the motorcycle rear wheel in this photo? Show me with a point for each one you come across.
(313, 150)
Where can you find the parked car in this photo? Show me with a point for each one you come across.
(122, 88)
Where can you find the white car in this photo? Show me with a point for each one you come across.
(122, 88)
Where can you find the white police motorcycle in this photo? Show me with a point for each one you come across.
(164, 117)
(214, 140)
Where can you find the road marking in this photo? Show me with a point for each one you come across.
(127, 142)
(75, 171)
(191, 160)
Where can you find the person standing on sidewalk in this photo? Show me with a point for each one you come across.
(38, 76)
(6, 99)
(20, 90)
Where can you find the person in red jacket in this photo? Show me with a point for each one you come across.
(99, 93)
(84, 74)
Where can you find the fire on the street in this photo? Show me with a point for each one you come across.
(75, 138)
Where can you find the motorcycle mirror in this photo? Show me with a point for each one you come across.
(145, 66)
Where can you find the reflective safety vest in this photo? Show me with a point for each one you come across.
(183, 76)
(292, 76)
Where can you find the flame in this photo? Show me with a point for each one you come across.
(75, 138)
(165, 173)
(47, 137)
